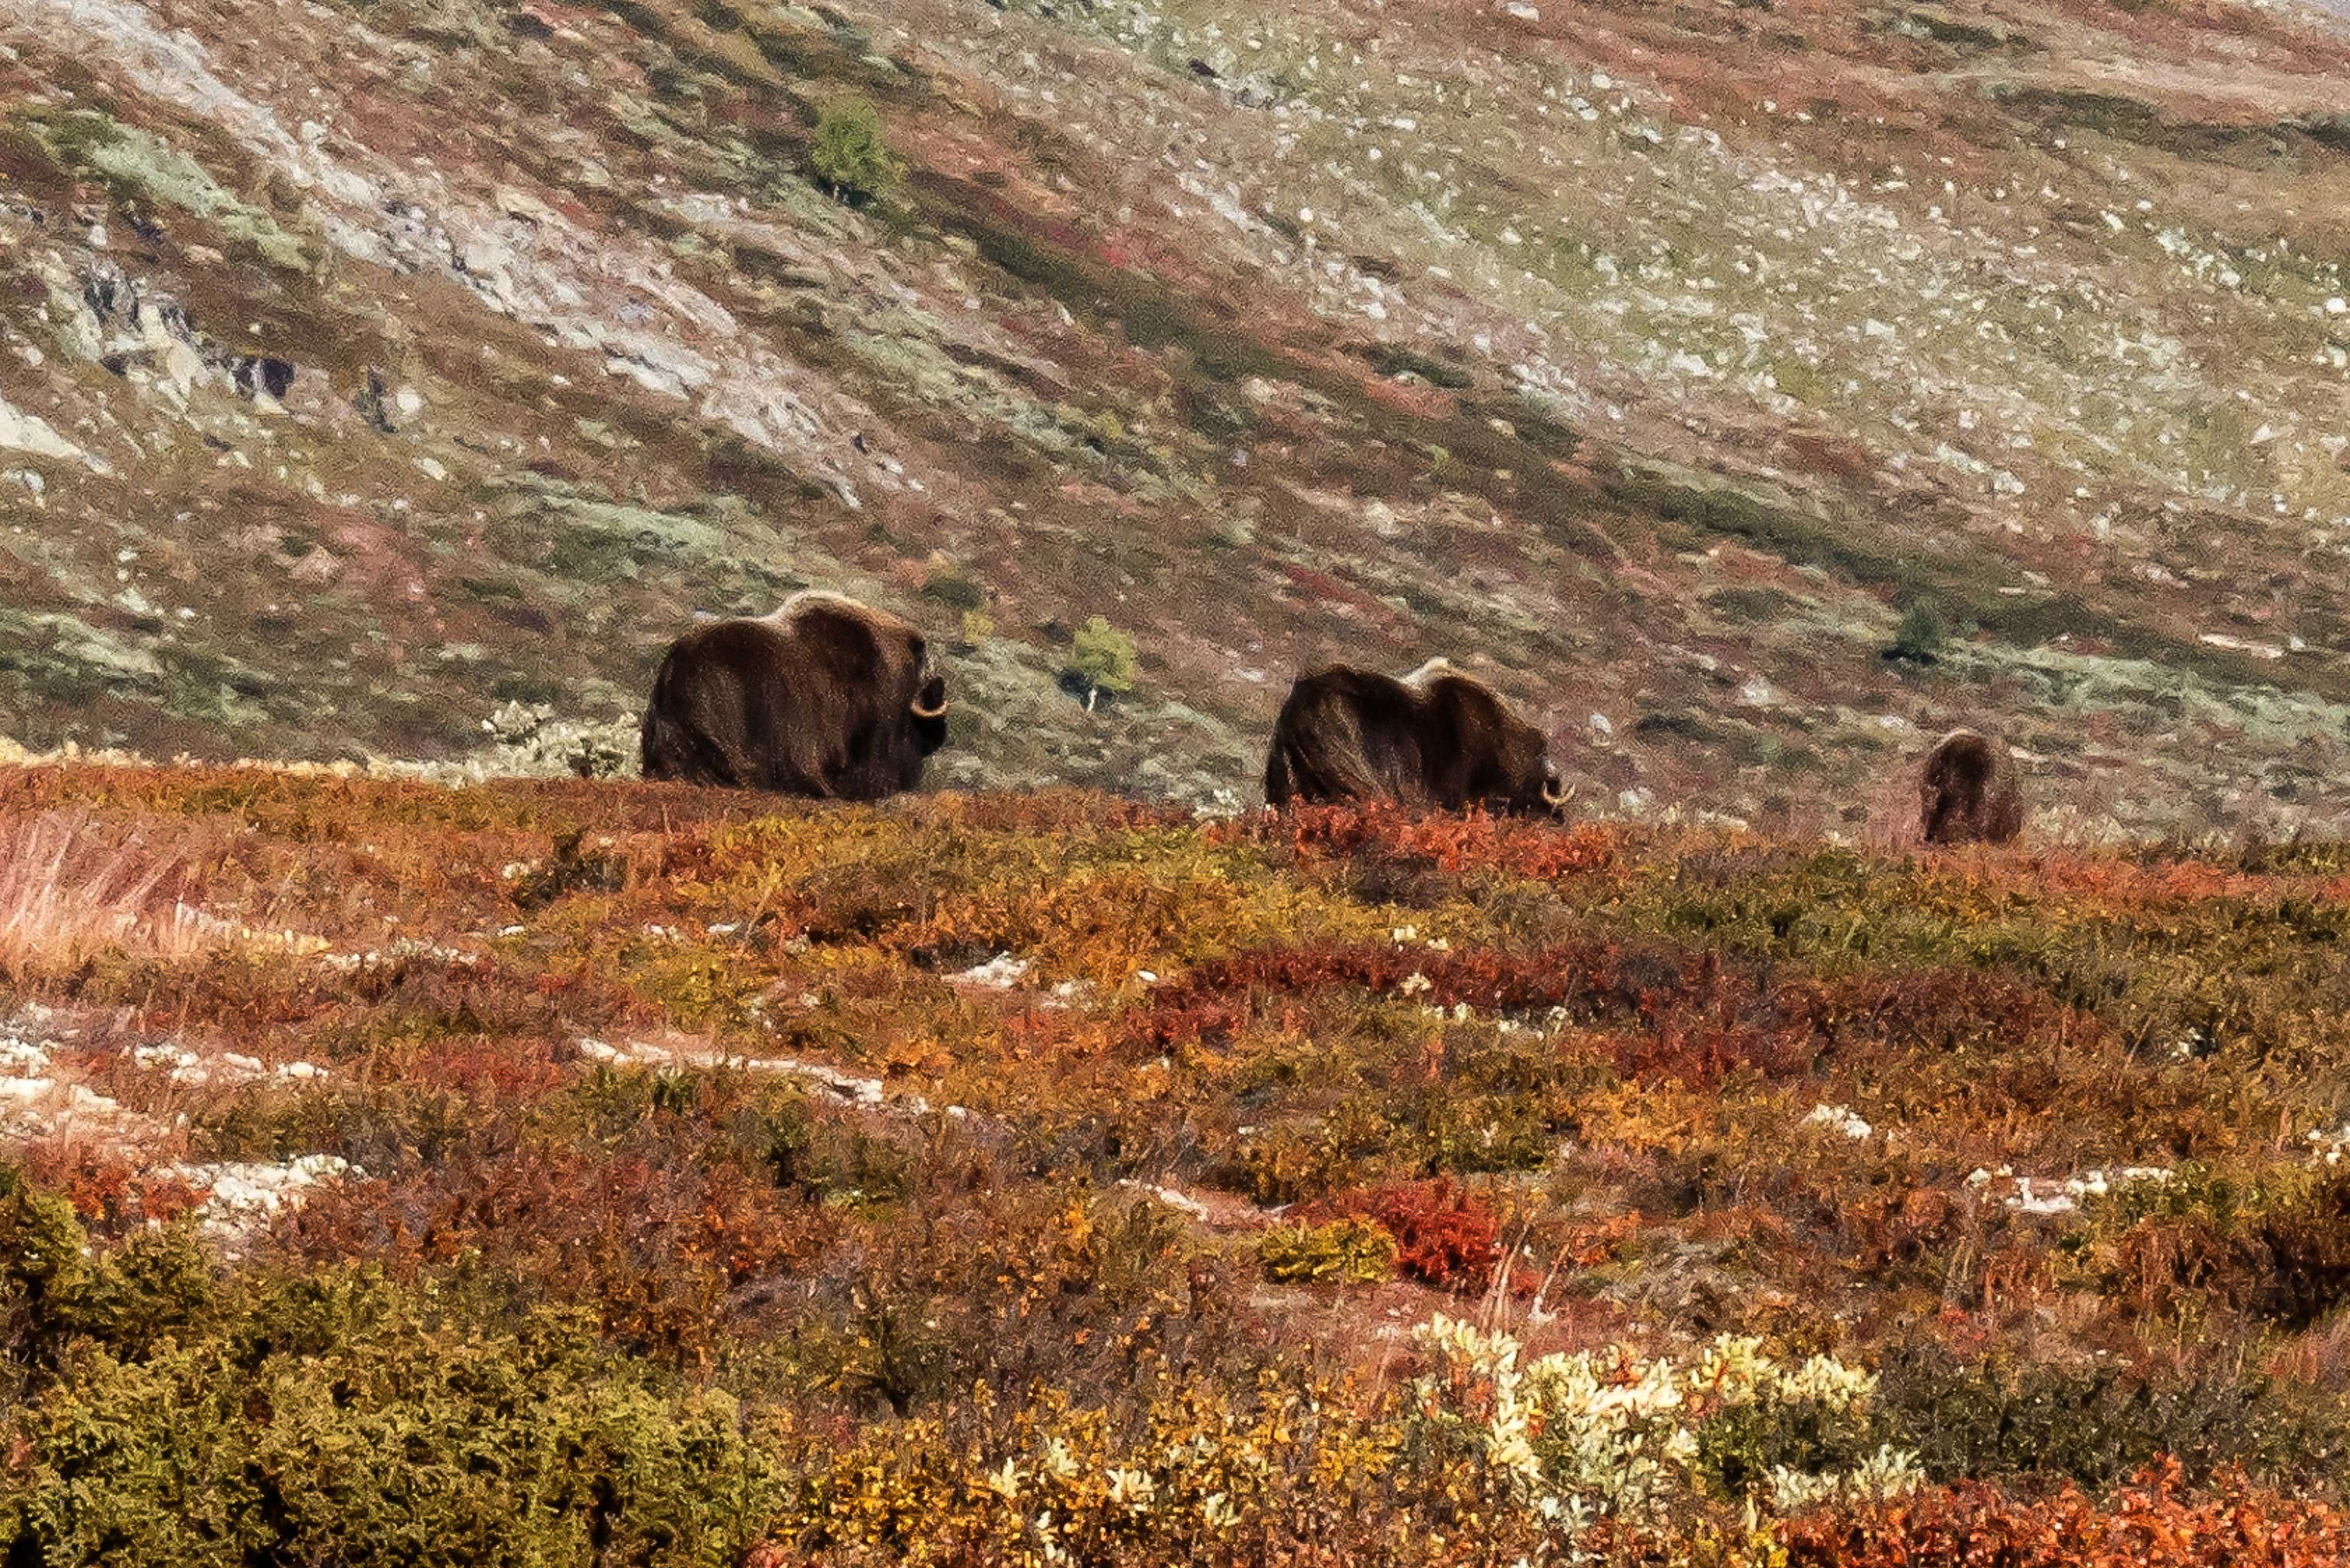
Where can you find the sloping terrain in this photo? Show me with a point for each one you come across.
(607, 1173)
(369, 365)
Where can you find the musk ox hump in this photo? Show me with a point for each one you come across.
(856, 635)
(1435, 669)
(1970, 791)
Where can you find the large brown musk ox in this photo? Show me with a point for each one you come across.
(826, 697)
(1970, 792)
(1433, 738)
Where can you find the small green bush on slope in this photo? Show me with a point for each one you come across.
(851, 153)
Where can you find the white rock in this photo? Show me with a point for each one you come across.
(998, 974)
(240, 1195)
(21, 432)
(1841, 1118)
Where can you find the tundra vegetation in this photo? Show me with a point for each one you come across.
(571, 1172)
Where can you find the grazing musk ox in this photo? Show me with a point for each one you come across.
(1970, 792)
(825, 697)
(1434, 738)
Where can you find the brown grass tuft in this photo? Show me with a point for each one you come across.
(68, 894)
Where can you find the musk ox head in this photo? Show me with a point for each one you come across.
(826, 697)
(1523, 779)
(1507, 759)
(928, 709)
(1970, 792)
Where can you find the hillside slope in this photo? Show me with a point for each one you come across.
(369, 365)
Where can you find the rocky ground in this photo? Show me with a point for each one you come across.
(371, 365)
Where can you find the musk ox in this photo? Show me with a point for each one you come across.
(825, 697)
(1970, 792)
(1434, 738)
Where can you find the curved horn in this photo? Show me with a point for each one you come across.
(1554, 791)
(937, 711)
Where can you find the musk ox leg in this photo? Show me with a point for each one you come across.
(1279, 787)
(653, 747)
(1934, 816)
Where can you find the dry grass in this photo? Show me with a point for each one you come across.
(69, 892)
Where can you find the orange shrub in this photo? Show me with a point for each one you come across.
(2146, 1524)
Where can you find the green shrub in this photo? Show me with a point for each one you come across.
(2098, 1423)
(955, 589)
(1102, 660)
(851, 155)
(341, 1419)
(56, 1290)
(1352, 1251)
(1921, 636)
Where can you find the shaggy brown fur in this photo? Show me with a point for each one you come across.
(1970, 792)
(825, 697)
(1435, 738)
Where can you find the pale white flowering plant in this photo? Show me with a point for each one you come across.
(1581, 1437)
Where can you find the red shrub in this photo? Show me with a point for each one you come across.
(107, 1189)
(1443, 1236)
(2146, 1524)
(1521, 847)
(491, 1071)
(1684, 1015)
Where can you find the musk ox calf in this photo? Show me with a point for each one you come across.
(1970, 792)
(825, 697)
(1434, 738)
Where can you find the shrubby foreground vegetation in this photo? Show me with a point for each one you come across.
(995, 1179)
